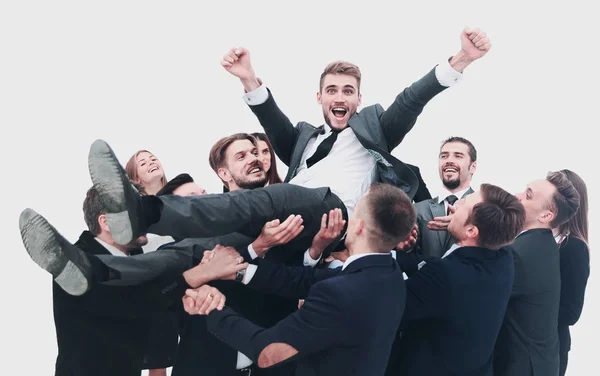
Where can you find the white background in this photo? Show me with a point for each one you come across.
(146, 74)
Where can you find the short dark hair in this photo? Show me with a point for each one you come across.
(472, 150)
(565, 201)
(500, 217)
(216, 157)
(392, 214)
(341, 67)
(175, 183)
(92, 210)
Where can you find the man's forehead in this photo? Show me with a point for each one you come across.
(541, 186)
(340, 80)
(240, 146)
(452, 147)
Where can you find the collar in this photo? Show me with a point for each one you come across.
(112, 249)
(356, 257)
(452, 249)
(446, 193)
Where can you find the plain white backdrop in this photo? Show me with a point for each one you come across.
(146, 74)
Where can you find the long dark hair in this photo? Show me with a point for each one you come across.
(578, 224)
(272, 174)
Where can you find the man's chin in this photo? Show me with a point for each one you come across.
(260, 183)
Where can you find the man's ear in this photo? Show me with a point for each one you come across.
(224, 174)
(102, 223)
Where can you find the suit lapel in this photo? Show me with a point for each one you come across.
(299, 149)
(437, 210)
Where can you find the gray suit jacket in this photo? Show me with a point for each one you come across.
(378, 130)
(430, 242)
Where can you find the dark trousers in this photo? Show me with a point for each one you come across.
(245, 212)
(564, 360)
(171, 258)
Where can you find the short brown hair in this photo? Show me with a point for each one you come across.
(391, 213)
(462, 140)
(92, 210)
(216, 157)
(565, 201)
(499, 217)
(341, 67)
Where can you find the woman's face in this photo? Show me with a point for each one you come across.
(264, 154)
(149, 168)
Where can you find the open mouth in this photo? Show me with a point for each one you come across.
(339, 112)
(450, 169)
(254, 170)
(155, 168)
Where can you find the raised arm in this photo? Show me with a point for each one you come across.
(401, 116)
(278, 127)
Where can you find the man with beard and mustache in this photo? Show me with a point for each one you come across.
(457, 164)
(352, 149)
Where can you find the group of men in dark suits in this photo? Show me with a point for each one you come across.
(362, 318)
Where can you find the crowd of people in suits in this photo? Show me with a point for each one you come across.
(346, 266)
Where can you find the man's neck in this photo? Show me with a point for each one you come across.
(462, 187)
(534, 226)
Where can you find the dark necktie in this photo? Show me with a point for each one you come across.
(451, 200)
(323, 149)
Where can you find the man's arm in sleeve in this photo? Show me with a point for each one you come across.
(316, 326)
(278, 127)
(292, 282)
(426, 293)
(402, 115)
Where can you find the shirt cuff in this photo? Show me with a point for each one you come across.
(250, 270)
(242, 361)
(257, 96)
(309, 261)
(335, 264)
(252, 252)
(445, 74)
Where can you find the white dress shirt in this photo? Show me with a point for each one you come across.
(111, 248)
(444, 195)
(348, 170)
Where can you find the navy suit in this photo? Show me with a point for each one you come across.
(454, 310)
(346, 326)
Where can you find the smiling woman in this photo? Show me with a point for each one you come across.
(145, 169)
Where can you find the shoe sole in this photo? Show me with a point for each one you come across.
(107, 176)
(43, 244)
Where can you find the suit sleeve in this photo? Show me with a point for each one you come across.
(292, 282)
(574, 273)
(319, 324)
(426, 293)
(401, 116)
(159, 295)
(422, 192)
(278, 128)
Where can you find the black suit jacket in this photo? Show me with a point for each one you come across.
(378, 130)
(200, 352)
(93, 337)
(528, 341)
(346, 326)
(422, 193)
(454, 310)
(432, 243)
(574, 274)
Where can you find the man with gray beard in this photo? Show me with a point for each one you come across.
(457, 163)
